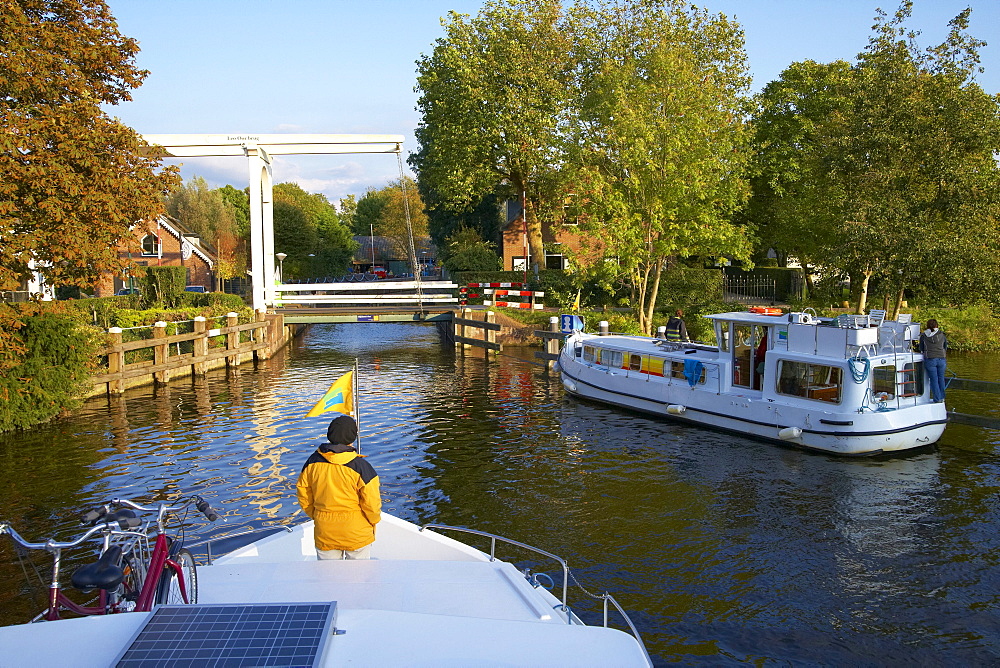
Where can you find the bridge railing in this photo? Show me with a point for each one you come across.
(394, 293)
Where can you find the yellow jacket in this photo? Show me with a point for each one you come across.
(340, 491)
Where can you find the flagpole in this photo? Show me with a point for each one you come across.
(357, 407)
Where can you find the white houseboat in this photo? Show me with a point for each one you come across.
(424, 599)
(851, 385)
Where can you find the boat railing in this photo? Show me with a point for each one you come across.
(567, 574)
(230, 544)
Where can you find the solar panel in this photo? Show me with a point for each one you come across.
(228, 636)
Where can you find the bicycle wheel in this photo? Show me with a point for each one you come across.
(169, 589)
(135, 574)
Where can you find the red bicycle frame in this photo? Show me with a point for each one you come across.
(158, 560)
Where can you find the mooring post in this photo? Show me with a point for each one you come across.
(661, 332)
(491, 335)
(161, 352)
(232, 341)
(200, 349)
(552, 344)
(604, 328)
(116, 362)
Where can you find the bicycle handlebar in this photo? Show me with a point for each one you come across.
(51, 545)
(161, 509)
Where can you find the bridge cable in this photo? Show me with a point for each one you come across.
(409, 232)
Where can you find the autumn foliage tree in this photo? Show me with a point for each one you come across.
(74, 180)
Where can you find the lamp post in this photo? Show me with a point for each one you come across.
(371, 228)
(281, 261)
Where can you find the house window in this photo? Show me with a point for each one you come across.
(151, 245)
(555, 262)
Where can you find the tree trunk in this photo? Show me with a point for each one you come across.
(866, 276)
(899, 299)
(536, 250)
(653, 289)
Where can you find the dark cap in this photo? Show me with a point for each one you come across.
(343, 430)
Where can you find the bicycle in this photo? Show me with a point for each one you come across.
(129, 575)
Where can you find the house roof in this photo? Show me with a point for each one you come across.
(178, 231)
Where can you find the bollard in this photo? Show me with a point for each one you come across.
(552, 344)
(661, 332)
(604, 328)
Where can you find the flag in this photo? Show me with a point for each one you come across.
(339, 398)
(576, 302)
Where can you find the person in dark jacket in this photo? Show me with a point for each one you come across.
(339, 490)
(934, 345)
(676, 329)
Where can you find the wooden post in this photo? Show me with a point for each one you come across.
(161, 353)
(232, 341)
(116, 362)
(466, 313)
(552, 345)
(491, 335)
(200, 347)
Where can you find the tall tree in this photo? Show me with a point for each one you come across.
(308, 231)
(74, 180)
(661, 143)
(394, 212)
(493, 96)
(794, 206)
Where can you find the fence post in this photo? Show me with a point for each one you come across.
(200, 348)
(232, 341)
(552, 345)
(491, 335)
(161, 353)
(466, 312)
(116, 361)
(604, 328)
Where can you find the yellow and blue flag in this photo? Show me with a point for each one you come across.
(339, 398)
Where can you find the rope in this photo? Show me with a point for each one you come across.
(859, 376)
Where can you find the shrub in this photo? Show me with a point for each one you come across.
(163, 286)
(47, 359)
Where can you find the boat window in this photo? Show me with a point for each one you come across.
(884, 382)
(588, 354)
(911, 379)
(677, 371)
(635, 362)
(811, 381)
(654, 366)
(578, 351)
(611, 358)
(743, 345)
(723, 336)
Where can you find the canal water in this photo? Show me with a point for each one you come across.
(724, 550)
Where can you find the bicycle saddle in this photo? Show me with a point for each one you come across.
(105, 573)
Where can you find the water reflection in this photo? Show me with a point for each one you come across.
(726, 550)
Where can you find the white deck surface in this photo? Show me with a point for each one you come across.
(424, 600)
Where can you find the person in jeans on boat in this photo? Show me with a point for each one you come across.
(339, 490)
(933, 345)
(676, 329)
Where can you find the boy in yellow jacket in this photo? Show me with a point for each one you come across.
(339, 490)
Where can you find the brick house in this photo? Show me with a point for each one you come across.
(514, 241)
(163, 242)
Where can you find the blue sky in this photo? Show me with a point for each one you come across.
(336, 66)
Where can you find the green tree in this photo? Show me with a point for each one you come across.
(886, 170)
(794, 206)
(346, 211)
(465, 250)
(660, 143)
(74, 180)
(308, 231)
(493, 98)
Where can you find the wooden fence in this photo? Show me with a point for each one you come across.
(253, 340)
(488, 327)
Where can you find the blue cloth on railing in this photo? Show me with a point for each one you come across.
(692, 371)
